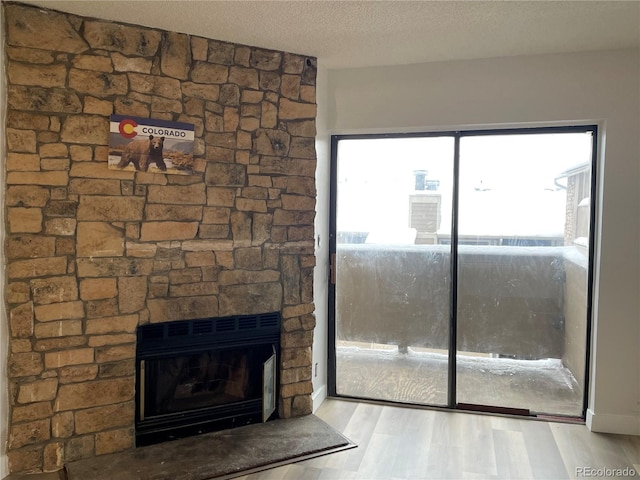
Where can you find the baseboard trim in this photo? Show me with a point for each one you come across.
(318, 397)
(607, 423)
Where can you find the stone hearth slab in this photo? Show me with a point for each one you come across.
(223, 454)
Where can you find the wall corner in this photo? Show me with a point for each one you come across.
(4, 329)
(321, 272)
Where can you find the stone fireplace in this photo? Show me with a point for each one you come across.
(197, 376)
(93, 254)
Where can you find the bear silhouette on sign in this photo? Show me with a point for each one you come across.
(143, 152)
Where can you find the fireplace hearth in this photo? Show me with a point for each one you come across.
(197, 376)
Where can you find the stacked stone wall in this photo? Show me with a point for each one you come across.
(91, 253)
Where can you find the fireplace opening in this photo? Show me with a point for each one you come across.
(197, 376)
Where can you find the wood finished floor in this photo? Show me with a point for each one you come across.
(408, 443)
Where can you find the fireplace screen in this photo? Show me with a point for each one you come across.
(214, 377)
(202, 375)
(269, 386)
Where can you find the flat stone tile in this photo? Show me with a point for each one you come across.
(217, 454)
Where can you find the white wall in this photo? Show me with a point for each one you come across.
(602, 87)
(4, 328)
(320, 279)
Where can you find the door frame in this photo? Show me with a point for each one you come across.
(457, 135)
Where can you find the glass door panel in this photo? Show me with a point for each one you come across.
(392, 271)
(523, 230)
(461, 269)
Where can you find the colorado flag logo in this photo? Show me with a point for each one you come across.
(127, 128)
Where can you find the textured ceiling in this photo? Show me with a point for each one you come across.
(368, 33)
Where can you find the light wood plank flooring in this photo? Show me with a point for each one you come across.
(410, 443)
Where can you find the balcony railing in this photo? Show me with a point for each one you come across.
(518, 302)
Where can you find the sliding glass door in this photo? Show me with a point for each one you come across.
(461, 268)
(392, 306)
(523, 229)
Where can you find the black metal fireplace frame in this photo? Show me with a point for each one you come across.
(185, 337)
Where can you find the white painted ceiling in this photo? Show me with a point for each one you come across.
(347, 33)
